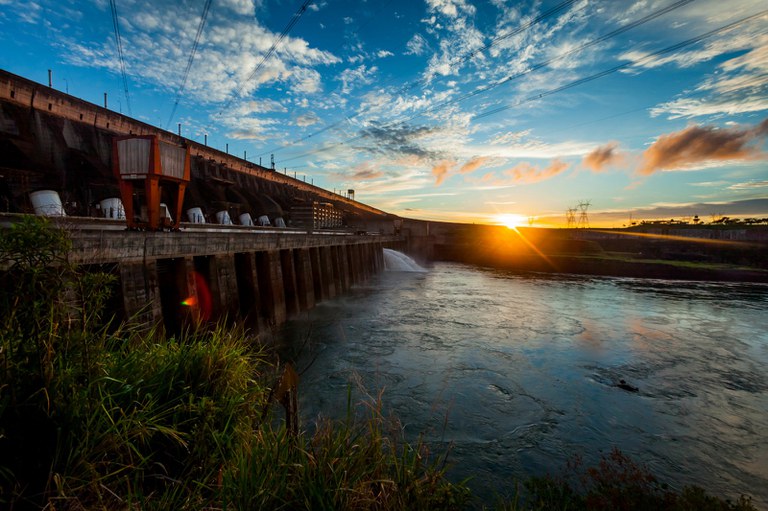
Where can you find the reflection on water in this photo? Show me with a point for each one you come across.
(518, 372)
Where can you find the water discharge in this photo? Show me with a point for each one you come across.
(397, 261)
(518, 372)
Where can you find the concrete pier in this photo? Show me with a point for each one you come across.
(199, 275)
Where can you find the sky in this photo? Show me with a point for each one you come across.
(485, 111)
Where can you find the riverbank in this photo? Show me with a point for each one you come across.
(608, 253)
(617, 266)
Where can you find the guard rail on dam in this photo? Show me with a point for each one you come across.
(206, 272)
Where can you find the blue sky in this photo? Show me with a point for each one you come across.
(442, 109)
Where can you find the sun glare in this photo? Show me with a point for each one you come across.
(511, 220)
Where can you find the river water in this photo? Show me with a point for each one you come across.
(518, 372)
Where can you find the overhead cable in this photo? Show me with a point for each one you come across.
(294, 19)
(539, 65)
(192, 53)
(590, 78)
(574, 83)
(423, 81)
(121, 58)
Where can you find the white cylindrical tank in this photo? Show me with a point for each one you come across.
(222, 217)
(164, 213)
(279, 222)
(112, 208)
(264, 220)
(47, 203)
(245, 219)
(195, 215)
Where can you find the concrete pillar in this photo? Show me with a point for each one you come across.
(357, 270)
(341, 252)
(270, 275)
(289, 282)
(375, 249)
(223, 285)
(318, 283)
(367, 269)
(248, 291)
(326, 265)
(141, 293)
(348, 249)
(380, 256)
(304, 278)
(336, 268)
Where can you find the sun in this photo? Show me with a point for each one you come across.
(511, 220)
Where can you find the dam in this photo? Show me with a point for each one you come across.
(177, 253)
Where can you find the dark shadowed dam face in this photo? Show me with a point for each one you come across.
(521, 372)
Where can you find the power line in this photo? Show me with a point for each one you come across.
(119, 44)
(539, 65)
(658, 53)
(757, 80)
(294, 19)
(522, 28)
(200, 28)
(423, 81)
(575, 83)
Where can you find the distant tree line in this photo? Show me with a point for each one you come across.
(695, 220)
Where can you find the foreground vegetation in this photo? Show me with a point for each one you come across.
(95, 415)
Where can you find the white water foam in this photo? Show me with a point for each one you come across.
(397, 261)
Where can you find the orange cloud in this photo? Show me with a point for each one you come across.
(603, 156)
(440, 171)
(473, 164)
(527, 173)
(697, 144)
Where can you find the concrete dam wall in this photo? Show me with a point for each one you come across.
(51, 140)
(202, 274)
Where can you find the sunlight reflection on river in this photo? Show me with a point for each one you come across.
(517, 371)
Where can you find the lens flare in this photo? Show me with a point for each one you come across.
(190, 301)
(200, 302)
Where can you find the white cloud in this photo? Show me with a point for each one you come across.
(305, 80)
(243, 7)
(451, 8)
(749, 185)
(307, 119)
(417, 45)
(355, 77)
(739, 86)
(259, 107)
(248, 128)
(740, 38)
(158, 37)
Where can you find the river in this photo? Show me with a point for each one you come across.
(518, 372)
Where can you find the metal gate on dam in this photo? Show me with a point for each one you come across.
(201, 273)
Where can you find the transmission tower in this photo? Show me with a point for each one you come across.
(583, 222)
(570, 216)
